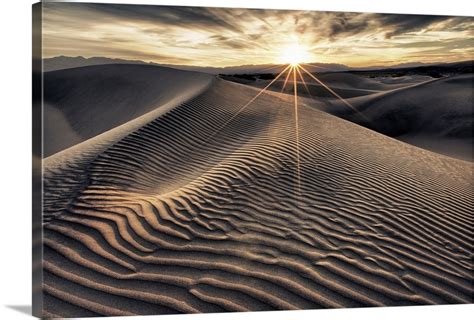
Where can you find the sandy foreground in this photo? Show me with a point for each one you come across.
(180, 201)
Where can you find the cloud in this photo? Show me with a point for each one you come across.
(401, 24)
(186, 35)
(347, 23)
(167, 15)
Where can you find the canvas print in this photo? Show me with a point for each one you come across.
(198, 160)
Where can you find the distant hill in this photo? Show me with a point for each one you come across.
(64, 62)
(432, 70)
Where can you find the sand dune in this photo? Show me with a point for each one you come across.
(200, 209)
(66, 171)
(435, 114)
(346, 85)
(353, 81)
(84, 102)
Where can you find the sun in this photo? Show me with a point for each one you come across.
(294, 54)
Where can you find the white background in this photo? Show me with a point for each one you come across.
(15, 155)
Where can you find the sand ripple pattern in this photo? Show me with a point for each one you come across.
(187, 215)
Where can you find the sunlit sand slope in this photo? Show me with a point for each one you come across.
(201, 210)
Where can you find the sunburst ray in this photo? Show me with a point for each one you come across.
(286, 79)
(304, 82)
(334, 93)
(246, 105)
(297, 134)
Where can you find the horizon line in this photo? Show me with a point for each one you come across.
(263, 64)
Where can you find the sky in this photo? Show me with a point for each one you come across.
(222, 37)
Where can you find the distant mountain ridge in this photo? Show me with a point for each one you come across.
(65, 62)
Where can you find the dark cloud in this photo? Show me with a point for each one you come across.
(340, 24)
(346, 23)
(330, 24)
(401, 24)
(177, 16)
(254, 36)
(218, 37)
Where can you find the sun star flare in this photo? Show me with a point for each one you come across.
(294, 54)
